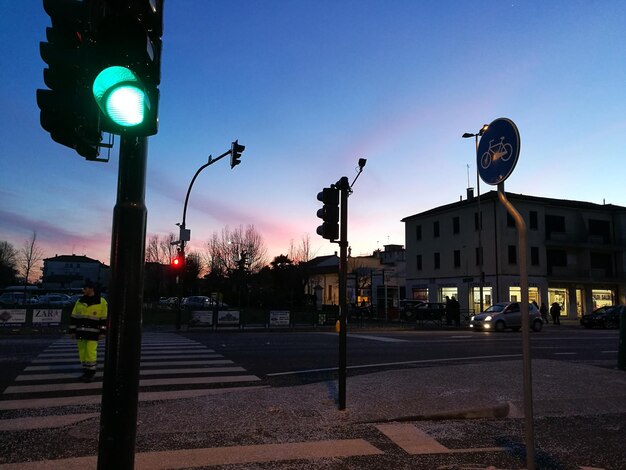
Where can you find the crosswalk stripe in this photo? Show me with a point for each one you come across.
(197, 370)
(101, 359)
(143, 364)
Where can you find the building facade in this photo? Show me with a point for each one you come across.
(576, 253)
(71, 271)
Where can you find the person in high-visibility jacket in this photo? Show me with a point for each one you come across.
(88, 324)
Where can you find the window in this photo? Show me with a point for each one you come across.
(418, 262)
(437, 261)
(479, 256)
(418, 232)
(436, 229)
(534, 221)
(601, 229)
(534, 255)
(457, 258)
(456, 225)
(510, 221)
(512, 254)
(555, 223)
(476, 226)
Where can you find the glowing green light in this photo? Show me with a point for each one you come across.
(119, 94)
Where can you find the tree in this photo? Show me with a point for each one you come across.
(225, 250)
(29, 257)
(8, 263)
(160, 250)
(301, 253)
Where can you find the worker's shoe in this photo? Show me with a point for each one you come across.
(88, 376)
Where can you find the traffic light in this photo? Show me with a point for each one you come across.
(126, 66)
(178, 261)
(329, 213)
(68, 112)
(236, 149)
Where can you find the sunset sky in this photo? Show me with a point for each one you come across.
(309, 87)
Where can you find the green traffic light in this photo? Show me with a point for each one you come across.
(121, 97)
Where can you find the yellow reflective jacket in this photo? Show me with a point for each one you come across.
(89, 318)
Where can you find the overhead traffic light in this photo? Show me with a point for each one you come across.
(236, 149)
(68, 112)
(127, 65)
(329, 213)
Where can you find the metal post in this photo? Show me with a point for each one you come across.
(527, 369)
(621, 350)
(343, 307)
(118, 417)
(480, 229)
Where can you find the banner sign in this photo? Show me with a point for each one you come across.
(228, 317)
(279, 317)
(47, 316)
(201, 318)
(12, 317)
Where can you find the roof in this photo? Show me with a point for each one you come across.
(546, 201)
(72, 259)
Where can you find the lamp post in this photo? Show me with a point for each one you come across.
(481, 274)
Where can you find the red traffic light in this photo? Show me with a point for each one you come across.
(177, 262)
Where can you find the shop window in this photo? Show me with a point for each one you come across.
(420, 293)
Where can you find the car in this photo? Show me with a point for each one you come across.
(503, 315)
(56, 300)
(407, 309)
(11, 299)
(604, 317)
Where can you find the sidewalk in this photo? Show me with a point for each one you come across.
(266, 424)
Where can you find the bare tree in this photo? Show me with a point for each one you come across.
(167, 249)
(152, 249)
(160, 250)
(301, 253)
(29, 257)
(225, 250)
(8, 263)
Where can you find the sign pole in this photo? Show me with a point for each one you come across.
(343, 279)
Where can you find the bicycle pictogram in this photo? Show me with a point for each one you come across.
(498, 151)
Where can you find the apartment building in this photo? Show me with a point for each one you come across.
(576, 252)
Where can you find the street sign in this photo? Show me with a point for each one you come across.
(498, 151)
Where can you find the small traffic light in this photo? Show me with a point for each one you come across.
(236, 150)
(178, 261)
(329, 213)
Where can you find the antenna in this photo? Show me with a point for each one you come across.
(468, 182)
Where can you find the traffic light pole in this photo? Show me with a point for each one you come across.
(118, 416)
(344, 188)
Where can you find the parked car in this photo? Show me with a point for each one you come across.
(604, 317)
(56, 300)
(10, 299)
(407, 309)
(201, 302)
(503, 315)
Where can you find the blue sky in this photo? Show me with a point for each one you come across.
(309, 87)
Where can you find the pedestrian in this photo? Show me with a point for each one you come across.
(88, 324)
(544, 312)
(555, 312)
(448, 311)
(456, 311)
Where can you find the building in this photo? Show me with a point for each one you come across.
(71, 271)
(376, 280)
(576, 253)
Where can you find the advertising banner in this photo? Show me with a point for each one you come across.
(47, 316)
(12, 317)
(201, 318)
(228, 317)
(279, 317)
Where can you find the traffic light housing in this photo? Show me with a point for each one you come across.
(68, 112)
(236, 149)
(329, 213)
(127, 65)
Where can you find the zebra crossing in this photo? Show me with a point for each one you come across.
(171, 367)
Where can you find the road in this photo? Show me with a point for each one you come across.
(41, 400)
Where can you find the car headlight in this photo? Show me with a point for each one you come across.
(488, 318)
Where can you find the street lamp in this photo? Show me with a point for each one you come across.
(467, 135)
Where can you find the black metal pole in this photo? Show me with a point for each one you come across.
(118, 417)
(343, 277)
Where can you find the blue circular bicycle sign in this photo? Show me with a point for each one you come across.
(498, 151)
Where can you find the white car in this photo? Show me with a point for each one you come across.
(503, 315)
